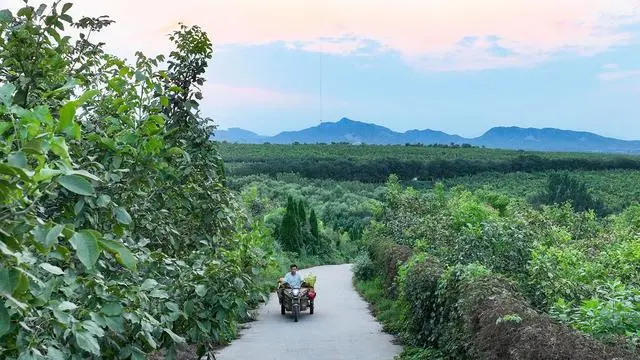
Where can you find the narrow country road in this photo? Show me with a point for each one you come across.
(341, 327)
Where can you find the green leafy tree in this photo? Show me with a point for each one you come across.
(562, 188)
(118, 236)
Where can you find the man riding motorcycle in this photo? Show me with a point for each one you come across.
(293, 278)
(294, 294)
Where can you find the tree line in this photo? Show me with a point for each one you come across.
(378, 170)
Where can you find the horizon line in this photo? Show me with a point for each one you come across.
(428, 129)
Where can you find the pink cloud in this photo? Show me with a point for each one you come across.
(426, 33)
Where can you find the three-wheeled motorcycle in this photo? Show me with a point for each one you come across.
(296, 300)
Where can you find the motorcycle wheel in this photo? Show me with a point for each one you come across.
(282, 309)
(296, 312)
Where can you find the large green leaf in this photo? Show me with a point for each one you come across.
(87, 342)
(93, 328)
(85, 244)
(148, 285)
(66, 7)
(17, 159)
(6, 16)
(46, 174)
(52, 269)
(122, 254)
(12, 282)
(14, 171)
(112, 309)
(60, 148)
(67, 113)
(122, 216)
(52, 235)
(201, 290)
(4, 126)
(77, 184)
(5, 320)
(83, 173)
(6, 94)
(177, 339)
(115, 323)
(67, 306)
(88, 95)
(103, 200)
(160, 294)
(55, 354)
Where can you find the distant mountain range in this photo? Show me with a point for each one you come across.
(356, 132)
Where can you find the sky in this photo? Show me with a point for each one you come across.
(459, 66)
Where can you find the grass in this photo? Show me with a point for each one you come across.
(391, 315)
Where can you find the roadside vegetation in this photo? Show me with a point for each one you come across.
(467, 275)
(119, 238)
(526, 264)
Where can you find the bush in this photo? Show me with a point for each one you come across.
(387, 257)
(472, 313)
(562, 188)
(363, 268)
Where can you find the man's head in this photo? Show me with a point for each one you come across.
(293, 268)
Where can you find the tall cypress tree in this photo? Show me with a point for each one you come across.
(313, 224)
(302, 216)
(289, 230)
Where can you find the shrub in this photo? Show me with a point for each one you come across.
(363, 268)
(387, 257)
(477, 314)
(562, 188)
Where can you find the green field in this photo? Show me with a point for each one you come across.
(374, 164)
(265, 152)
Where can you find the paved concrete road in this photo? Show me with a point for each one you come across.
(341, 327)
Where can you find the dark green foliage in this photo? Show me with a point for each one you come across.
(387, 257)
(302, 215)
(290, 232)
(563, 187)
(300, 234)
(370, 163)
(313, 224)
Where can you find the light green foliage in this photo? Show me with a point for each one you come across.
(615, 309)
(343, 209)
(118, 237)
(616, 188)
(580, 269)
(514, 318)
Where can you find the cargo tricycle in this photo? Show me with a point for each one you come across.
(297, 300)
